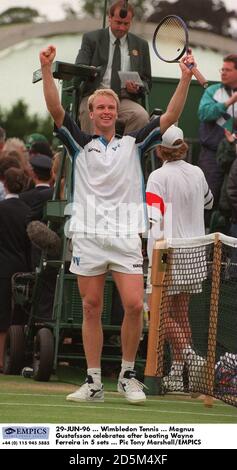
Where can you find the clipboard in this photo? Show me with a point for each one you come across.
(134, 76)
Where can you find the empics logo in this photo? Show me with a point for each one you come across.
(21, 432)
(9, 431)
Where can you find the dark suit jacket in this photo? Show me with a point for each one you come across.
(95, 51)
(14, 242)
(36, 198)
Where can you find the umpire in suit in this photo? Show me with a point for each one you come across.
(112, 49)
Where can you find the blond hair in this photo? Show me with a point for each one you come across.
(13, 143)
(171, 155)
(102, 92)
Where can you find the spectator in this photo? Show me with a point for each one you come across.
(41, 175)
(42, 148)
(225, 156)
(217, 111)
(231, 188)
(9, 160)
(97, 49)
(14, 246)
(36, 197)
(184, 188)
(2, 138)
(107, 181)
(33, 138)
(2, 141)
(17, 146)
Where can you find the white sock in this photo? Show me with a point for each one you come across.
(95, 374)
(126, 366)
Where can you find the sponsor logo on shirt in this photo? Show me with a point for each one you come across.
(93, 149)
(115, 148)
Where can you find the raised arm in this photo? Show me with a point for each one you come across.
(50, 90)
(177, 102)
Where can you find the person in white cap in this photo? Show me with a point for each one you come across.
(176, 195)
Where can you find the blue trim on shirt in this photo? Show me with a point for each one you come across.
(103, 140)
(149, 136)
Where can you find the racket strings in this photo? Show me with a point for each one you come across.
(170, 40)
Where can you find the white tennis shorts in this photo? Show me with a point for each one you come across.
(98, 255)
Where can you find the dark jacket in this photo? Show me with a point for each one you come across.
(36, 196)
(38, 204)
(14, 243)
(225, 156)
(232, 190)
(95, 51)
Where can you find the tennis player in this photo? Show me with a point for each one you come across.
(178, 192)
(109, 215)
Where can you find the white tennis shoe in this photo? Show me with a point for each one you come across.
(131, 388)
(89, 391)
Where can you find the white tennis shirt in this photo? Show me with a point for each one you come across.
(108, 188)
(176, 195)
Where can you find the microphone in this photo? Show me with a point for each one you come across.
(44, 238)
(124, 10)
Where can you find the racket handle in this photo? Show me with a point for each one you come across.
(200, 78)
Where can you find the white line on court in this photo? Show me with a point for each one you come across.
(116, 395)
(135, 409)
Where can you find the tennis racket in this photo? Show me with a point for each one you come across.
(170, 43)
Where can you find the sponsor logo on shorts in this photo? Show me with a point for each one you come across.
(76, 260)
(137, 265)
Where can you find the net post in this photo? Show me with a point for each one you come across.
(157, 278)
(212, 330)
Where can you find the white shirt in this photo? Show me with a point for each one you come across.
(11, 196)
(125, 58)
(177, 194)
(108, 187)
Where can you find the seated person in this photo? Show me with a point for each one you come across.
(97, 49)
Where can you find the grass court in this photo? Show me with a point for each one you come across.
(23, 400)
